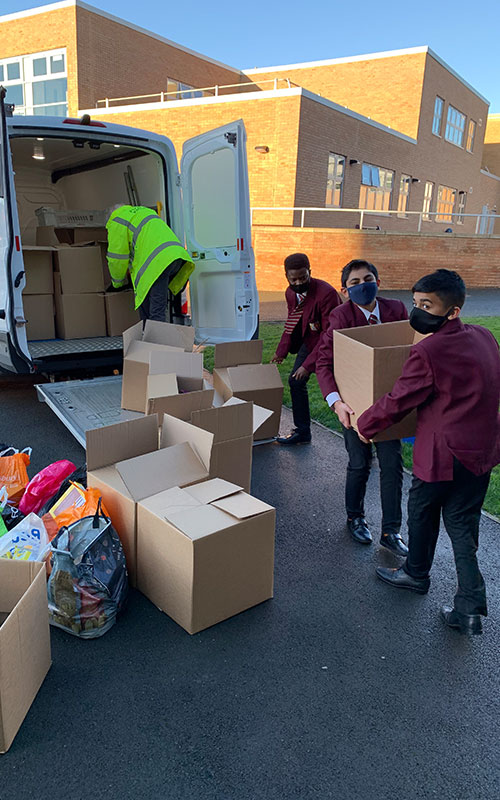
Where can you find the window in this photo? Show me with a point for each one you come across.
(376, 188)
(445, 203)
(404, 195)
(438, 116)
(427, 207)
(455, 126)
(471, 135)
(461, 207)
(37, 84)
(181, 91)
(335, 180)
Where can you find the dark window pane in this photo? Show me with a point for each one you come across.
(39, 66)
(56, 64)
(15, 94)
(1, 74)
(53, 91)
(51, 111)
(13, 71)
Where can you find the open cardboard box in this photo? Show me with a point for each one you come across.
(157, 337)
(127, 463)
(238, 372)
(24, 642)
(205, 552)
(367, 362)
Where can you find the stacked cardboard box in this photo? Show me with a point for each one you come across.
(38, 293)
(79, 288)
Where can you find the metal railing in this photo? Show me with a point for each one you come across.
(484, 222)
(197, 92)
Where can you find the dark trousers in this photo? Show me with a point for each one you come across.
(154, 305)
(300, 397)
(460, 502)
(391, 478)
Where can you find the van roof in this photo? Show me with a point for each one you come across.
(105, 128)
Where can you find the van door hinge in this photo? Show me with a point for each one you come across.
(232, 138)
(178, 180)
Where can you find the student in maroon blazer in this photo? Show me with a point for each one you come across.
(309, 302)
(452, 378)
(360, 284)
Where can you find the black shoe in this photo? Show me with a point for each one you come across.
(394, 543)
(294, 437)
(401, 580)
(359, 530)
(465, 623)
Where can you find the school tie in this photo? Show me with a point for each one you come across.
(372, 320)
(296, 315)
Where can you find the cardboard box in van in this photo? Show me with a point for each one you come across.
(205, 553)
(39, 314)
(239, 372)
(49, 235)
(78, 316)
(127, 463)
(38, 270)
(80, 269)
(367, 362)
(139, 345)
(24, 642)
(120, 312)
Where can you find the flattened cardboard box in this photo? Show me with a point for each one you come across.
(38, 270)
(367, 362)
(79, 316)
(205, 553)
(239, 373)
(39, 314)
(24, 642)
(126, 462)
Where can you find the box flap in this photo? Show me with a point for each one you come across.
(390, 334)
(182, 406)
(174, 431)
(242, 505)
(149, 474)
(253, 377)
(212, 490)
(162, 386)
(170, 501)
(118, 442)
(226, 422)
(133, 334)
(141, 352)
(232, 354)
(201, 521)
(38, 247)
(260, 414)
(165, 333)
(185, 365)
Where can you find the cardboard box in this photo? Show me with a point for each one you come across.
(367, 362)
(79, 316)
(38, 270)
(80, 269)
(238, 372)
(39, 315)
(139, 345)
(49, 235)
(126, 462)
(205, 553)
(24, 642)
(120, 312)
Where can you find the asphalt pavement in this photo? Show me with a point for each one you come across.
(340, 687)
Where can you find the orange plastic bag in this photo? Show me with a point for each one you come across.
(75, 504)
(14, 475)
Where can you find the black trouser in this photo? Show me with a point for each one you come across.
(460, 502)
(300, 397)
(154, 305)
(391, 478)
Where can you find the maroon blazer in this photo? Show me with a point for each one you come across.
(452, 378)
(321, 298)
(349, 315)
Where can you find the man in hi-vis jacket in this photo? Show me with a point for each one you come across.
(141, 244)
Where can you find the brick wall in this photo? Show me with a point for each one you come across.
(400, 258)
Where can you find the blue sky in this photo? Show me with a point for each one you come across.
(463, 33)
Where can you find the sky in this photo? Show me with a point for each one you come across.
(260, 34)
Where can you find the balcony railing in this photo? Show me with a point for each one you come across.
(484, 222)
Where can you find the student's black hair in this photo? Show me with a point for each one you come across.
(357, 263)
(446, 283)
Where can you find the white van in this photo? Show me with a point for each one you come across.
(83, 164)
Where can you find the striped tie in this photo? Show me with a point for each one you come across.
(295, 316)
(372, 320)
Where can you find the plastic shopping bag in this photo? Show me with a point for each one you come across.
(44, 486)
(76, 503)
(13, 472)
(28, 541)
(78, 476)
(88, 584)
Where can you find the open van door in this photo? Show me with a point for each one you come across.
(14, 354)
(214, 180)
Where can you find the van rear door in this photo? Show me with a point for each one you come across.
(214, 180)
(14, 354)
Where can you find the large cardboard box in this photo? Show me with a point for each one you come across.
(367, 363)
(38, 270)
(49, 235)
(127, 462)
(78, 316)
(205, 552)
(120, 312)
(24, 642)
(139, 345)
(39, 315)
(238, 372)
(80, 269)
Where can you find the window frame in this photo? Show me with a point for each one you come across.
(440, 122)
(471, 139)
(404, 182)
(28, 79)
(462, 199)
(427, 211)
(378, 188)
(337, 159)
(441, 216)
(454, 127)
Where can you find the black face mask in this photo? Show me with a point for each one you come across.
(424, 322)
(300, 288)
